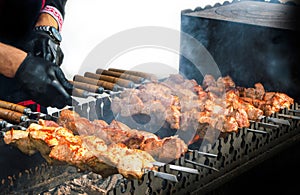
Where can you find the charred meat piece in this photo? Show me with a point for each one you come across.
(268, 102)
(131, 163)
(72, 120)
(117, 132)
(20, 139)
(87, 152)
(218, 103)
(45, 138)
(208, 81)
(166, 149)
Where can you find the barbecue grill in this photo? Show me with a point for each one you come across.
(222, 165)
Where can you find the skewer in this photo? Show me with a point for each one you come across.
(5, 126)
(135, 79)
(289, 116)
(13, 116)
(88, 87)
(267, 125)
(279, 121)
(257, 131)
(3, 123)
(163, 175)
(18, 113)
(295, 111)
(14, 107)
(102, 108)
(83, 93)
(275, 120)
(177, 168)
(200, 164)
(204, 153)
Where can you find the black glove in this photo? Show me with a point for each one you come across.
(44, 82)
(44, 42)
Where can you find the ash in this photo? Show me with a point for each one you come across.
(86, 184)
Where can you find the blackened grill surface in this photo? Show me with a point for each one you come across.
(250, 41)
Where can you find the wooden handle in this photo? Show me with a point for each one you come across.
(135, 79)
(119, 81)
(105, 84)
(88, 87)
(14, 107)
(149, 76)
(80, 93)
(12, 116)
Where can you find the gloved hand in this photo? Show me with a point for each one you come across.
(45, 44)
(44, 82)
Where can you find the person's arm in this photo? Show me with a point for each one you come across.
(54, 9)
(45, 38)
(42, 80)
(10, 59)
(46, 19)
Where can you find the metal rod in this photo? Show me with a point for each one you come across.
(177, 168)
(200, 164)
(278, 120)
(205, 153)
(102, 108)
(267, 125)
(290, 116)
(257, 131)
(275, 120)
(295, 111)
(163, 175)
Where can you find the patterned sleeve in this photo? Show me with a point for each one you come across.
(56, 8)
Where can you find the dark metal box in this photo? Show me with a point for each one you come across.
(251, 41)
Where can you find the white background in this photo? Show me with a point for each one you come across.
(89, 22)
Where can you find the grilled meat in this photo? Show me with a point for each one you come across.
(20, 139)
(59, 145)
(131, 163)
(218, 103)
(117, 132)
(267, 102)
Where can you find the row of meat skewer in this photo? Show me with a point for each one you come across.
(116, 148)
(185, 105)
(96, 146)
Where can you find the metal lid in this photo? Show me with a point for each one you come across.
(266, 14)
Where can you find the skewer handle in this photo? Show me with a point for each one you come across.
(13, 116)
(105, 84)
(80, 93)
(136, 73)
(134, 78)
(88, 87)
(14, 107)
(119, 81)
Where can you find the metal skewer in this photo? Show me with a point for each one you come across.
(275, 120)
(295, 111)
(6, 126)
(278, 121)
(176, 167)
(289, 116)
(204, 153)
(163, 175)
(257, 131)
(267, 125)
(201, 165)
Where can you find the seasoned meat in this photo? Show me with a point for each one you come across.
(117, 132)
(59, 145)
(20, 139)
